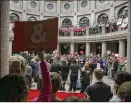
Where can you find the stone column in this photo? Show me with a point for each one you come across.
(72, 48)
(58, 12)
(75, 11)
(87, 49)
(4, 35)
(92, 11)
(104, 48)
(112, 14)
(58, 47)
(24, 18)
(121, 48)
(129, 38)
(10, 48)
(41, 9)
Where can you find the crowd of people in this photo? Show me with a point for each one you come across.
(97, 28)
(51, 72)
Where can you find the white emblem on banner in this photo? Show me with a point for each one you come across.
(38, 35)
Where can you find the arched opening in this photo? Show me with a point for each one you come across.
(123, 12)
(84, 22)
(102, 18)
(32, 19)
(14, 17)
(66, 23)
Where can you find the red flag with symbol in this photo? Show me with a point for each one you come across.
(36, 35)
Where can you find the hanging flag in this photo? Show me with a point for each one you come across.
(36, 35)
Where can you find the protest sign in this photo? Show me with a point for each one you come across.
(36, 35)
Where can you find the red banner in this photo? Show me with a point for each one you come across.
(36, 35)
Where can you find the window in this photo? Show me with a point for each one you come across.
(32, 19)
(33, 4)
(67, 6)
(101, 1)
(15, 1)
(50, 6)
(84, 4)
(84, 22)
(66, 23)
(102, 18)
(123, 12)
(14, 17)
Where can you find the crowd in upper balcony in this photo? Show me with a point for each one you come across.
(102, 25)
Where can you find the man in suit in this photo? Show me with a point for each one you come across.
(99, 91)
(55, 66)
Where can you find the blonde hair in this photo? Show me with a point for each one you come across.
(99, 73)
(124, 91)
(124, 88)
(17, 64)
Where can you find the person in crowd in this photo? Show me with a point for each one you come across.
(56, 85)
(110, 68)
(105, 66)
(37, 68)
(85, 77)
(96, 29)
(99, 91)
(46, 90)
(74, 75)
(17, 65)
(39, 84)
(120, 78)
(55, 66)
(99, 29)
(81, 62)
(29, 73)
(123, 93)
(107, 27)
(115, 68)
(33, 66)
(13, 88)
(64, 73)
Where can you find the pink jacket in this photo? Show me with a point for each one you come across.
(46, 91)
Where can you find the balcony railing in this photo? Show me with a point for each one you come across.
(121, 34)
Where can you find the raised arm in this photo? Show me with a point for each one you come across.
(46, 91)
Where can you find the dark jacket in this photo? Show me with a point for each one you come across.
(99, 92)
(74, 69)
(85, 76)
(55, 67)
(64, 70)
(115, 66)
